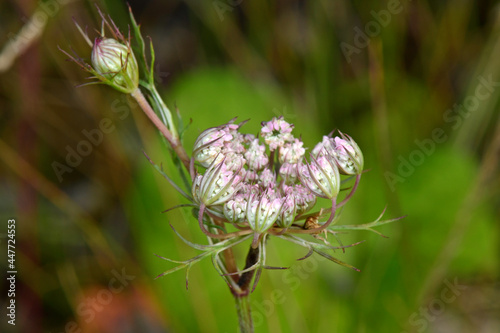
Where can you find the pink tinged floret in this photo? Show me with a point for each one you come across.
(256, 156)
(304, 199)
(267, 178)
(235, 145)
(234, 209)
(288, 173)
(248, 138)
(276, 132)
(234, 161)
(292, 152)
(342, 147)
(249, 176)
(324, 147)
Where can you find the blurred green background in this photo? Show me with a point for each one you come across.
(415, 83)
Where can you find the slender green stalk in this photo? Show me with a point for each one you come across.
(244, 312)
(172, 140)
(164, 110)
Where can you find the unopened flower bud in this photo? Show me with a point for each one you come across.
(116, 64)
(216, 186)
(344, 151)
(263, 210)
(288, 210)
(347, 154)
(234, 209)
(321, 177)
(209, 145)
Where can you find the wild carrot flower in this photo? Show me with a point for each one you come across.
(243, 186)
(247, 187)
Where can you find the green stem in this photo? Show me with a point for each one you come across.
(164, 110)
(244, 312)
(172, 140)
(241, 293)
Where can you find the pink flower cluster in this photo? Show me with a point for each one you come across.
(264, 182)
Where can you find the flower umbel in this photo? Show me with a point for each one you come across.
(241, 187)
(264, 187)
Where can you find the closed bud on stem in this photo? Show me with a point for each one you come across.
(216, 186)
(263, 210)
(321, 177)
(115, 64)
(347, 154)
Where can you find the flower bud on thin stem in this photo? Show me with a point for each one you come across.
(115, 64)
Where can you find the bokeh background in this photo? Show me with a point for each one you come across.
(415, 83)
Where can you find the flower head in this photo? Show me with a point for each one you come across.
(235, 208)
(264, 183)
(292, 152)
(304, 199)
(256, 155)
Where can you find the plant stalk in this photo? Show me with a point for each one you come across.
(172, 140)
(242, 293)
(244, 311)
(163, 109)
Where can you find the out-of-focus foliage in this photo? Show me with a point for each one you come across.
(412, 94)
